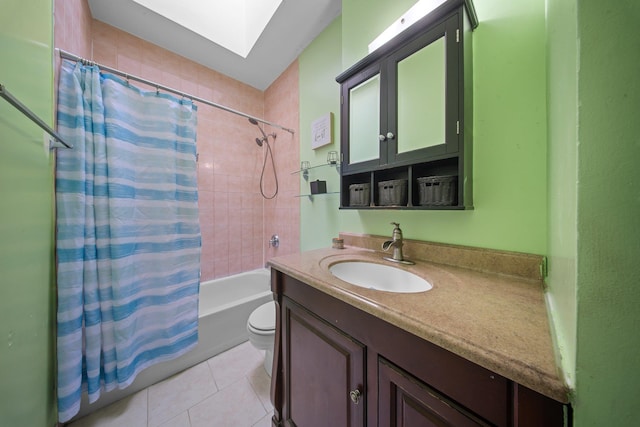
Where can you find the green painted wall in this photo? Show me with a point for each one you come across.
(608, 268)
(318, 65)
(562, 92)
(509, 137)
(26, 218)
(594, 238)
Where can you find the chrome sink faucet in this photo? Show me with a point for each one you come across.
(396, 243)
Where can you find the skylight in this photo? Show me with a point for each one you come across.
(235, 25)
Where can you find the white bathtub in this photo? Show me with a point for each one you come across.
(225, 305)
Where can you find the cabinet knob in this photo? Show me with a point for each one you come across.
(389, 135)
(355, 396)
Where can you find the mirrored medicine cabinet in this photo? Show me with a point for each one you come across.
(406, 117)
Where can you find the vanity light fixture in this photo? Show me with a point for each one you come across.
(419, 10)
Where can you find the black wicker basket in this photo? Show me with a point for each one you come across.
(437, 190)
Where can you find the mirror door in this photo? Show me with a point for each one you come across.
(425, 73)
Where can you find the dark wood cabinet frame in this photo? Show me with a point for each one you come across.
(380, 359)
(455, 19)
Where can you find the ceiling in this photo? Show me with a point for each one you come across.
(292, 27)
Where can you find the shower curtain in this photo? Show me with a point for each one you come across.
(128, 237)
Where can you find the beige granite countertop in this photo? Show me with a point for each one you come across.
(498, 321)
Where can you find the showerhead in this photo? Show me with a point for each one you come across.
(265, 137)
(255, 122)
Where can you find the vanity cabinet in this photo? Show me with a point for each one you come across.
(324, 368)
(405, 401)
(406, 111)
(335, 365)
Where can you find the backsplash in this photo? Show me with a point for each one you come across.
(526, 266)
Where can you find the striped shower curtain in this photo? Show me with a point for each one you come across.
(128, 237)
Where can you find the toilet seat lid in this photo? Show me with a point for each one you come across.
(263, 318)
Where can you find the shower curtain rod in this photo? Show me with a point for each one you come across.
(71, 56)
(4, 93)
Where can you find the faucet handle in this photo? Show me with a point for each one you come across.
(397, 232)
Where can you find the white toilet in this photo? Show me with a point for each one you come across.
(262, 331)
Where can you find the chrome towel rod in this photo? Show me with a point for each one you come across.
(71, 56)
(4, 93)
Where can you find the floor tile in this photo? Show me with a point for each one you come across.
(236, 405)
(261, 383)
(231, 389)
(175, 395)
(233, 364)
(130, 411)
(181, 420)
(264, 421)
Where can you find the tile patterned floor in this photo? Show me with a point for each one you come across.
(230, 389)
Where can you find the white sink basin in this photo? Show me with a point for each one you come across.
(379, 277)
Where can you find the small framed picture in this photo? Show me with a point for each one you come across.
(321, 130)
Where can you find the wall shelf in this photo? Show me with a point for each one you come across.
(305, 174)
(310, 196)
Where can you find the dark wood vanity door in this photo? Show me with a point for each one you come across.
(405, 401)
(322, 369)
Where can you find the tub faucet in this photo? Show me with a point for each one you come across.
(396, 243)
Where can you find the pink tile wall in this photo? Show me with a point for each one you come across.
(282, 214)
(72, 26)
(234, 219)
(71, 30)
